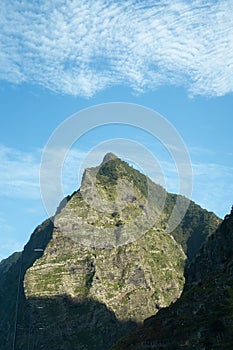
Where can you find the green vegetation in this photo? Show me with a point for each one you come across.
(115, 169)
(195, 227)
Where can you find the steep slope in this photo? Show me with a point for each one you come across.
(193, 230)
(215, 255)
(107, 263)
(203, 317)
(13, 306)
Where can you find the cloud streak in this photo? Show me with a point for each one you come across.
(19, 173)
(81, 47)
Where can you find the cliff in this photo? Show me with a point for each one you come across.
(203, 317)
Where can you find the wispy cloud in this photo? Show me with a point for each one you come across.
(19, 173)
(80, 47)
(212, 182)
(8, 246)
(7, 243)
(4, 226)
(198, 151)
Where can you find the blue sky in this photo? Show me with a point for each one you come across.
(59, 57)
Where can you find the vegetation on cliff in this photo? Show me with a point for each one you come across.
(203, 317)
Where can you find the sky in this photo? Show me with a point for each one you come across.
(58, 58)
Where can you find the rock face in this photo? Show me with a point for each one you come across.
(106, 263)
(131, 282)
(203, 317)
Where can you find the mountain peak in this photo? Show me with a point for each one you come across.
(109, 156)
(105, 258)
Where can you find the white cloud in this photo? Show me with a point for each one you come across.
(80, 47)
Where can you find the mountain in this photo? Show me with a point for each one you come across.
(101, 265)
(203, 317)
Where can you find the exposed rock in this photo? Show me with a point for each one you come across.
(203, 317)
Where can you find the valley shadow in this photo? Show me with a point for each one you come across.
(63, 323)
(13, 305)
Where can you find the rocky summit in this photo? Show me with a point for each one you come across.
(102, 265)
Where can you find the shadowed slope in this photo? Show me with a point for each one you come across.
(203, 317)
